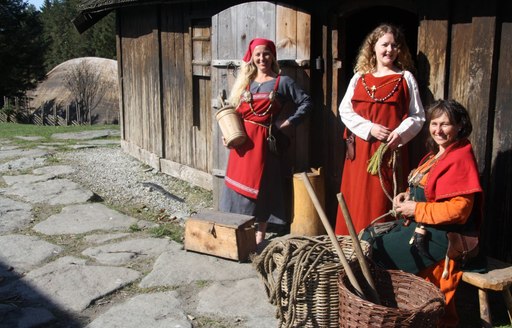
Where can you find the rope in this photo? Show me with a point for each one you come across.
(286, 265)
(394, 165)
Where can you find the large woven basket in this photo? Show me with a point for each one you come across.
(301, 278)
(406, 301)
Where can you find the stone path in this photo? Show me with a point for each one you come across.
(85, 267)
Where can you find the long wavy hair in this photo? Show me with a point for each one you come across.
(367, 61)
(246, 73)
(458, 116)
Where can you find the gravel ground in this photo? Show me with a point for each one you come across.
(124, 182)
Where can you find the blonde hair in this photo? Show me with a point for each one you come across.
(246, 73)
(366, 59)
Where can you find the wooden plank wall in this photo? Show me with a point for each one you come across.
(176, 84)
(202, 119)
(470, 78)
(499, 214)
(293, 41)
(155, 47)
(141, 78)
(328, 150)
(473, 67)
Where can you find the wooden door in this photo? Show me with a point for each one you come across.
(232, 30)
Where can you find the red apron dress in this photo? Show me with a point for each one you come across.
(362, 191)
(246, 163)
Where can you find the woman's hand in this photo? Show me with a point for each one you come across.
(283, 124)
(406, 208)
(380, 132)
(400, 198)
(394, 140)
(224, 142)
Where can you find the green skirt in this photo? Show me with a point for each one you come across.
(393, 250)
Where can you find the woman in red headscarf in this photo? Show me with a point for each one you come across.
(254, 181)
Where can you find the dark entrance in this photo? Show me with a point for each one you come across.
(355, 25)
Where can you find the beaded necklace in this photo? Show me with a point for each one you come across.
(371, 92)
(417, 175)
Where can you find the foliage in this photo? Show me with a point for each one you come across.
(376, 159)
(21, 48)
(8, 109)
(64, 41)
(87, 87)
(33, 42)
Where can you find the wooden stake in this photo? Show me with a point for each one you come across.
(332, 236)
(359, 252)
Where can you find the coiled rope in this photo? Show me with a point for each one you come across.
(286, 265)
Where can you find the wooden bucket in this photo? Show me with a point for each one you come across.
(305, 218)
(231, 126)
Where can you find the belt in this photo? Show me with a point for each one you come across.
(260, 124)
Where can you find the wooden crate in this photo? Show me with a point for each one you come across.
(226, 235)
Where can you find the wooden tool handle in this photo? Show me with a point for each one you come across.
(359, 252)
(332, 236)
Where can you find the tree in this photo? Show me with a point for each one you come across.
(86, 86)
(66, 43)
(21, 48)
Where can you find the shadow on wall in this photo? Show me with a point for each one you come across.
(497, 226)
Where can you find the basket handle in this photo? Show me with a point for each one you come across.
(430, 305)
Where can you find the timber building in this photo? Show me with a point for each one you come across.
(177, 57)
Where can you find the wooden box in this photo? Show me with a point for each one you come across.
(226, 235)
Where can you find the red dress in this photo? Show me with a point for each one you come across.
(246, 163)
(362, 191)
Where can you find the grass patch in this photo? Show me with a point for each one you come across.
(10, 131)
(172, 230)
(135, 228)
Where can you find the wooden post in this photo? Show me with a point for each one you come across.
(42, 113)
(55, 122)
(67, 114)
(485, 313)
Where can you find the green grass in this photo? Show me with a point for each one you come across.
(10, 131)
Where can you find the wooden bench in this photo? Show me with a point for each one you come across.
(498, 278)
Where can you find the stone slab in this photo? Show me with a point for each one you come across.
(127, 251)
(71, 285)
(159, 310)
(52, 192)
(25, 252)
(14, 215)
(177, 267)
(82, 218)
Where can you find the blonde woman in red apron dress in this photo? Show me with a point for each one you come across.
(254, 180)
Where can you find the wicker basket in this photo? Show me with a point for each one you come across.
(407, 301)
(301, 278)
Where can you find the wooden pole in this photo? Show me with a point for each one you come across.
(332, 236)
(359, 252)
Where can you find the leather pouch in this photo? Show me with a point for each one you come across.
(350, 149)
(462, 246)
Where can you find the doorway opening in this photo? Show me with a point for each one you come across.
(356, 25)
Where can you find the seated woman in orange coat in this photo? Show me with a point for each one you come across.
(444, 195)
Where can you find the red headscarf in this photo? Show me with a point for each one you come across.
(259, 42)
